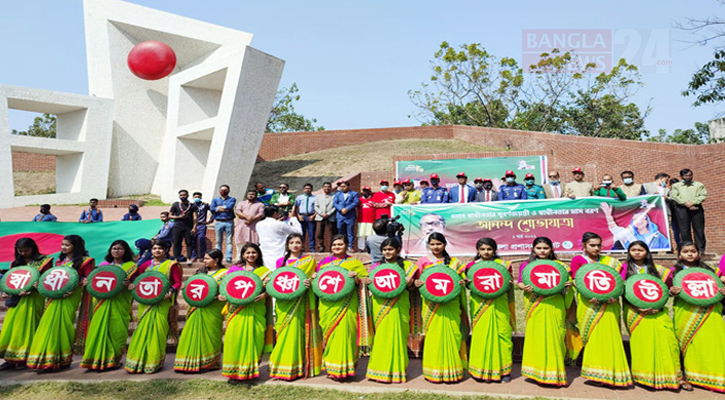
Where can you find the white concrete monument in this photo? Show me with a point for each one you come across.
(197, 128)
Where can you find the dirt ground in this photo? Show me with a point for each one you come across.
(32, 183)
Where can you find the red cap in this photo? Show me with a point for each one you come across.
(478, 179)
(529, 175)
(339, 182)
(366, 188)
(407, 181)
(434, 176)
(461, 174)
(577, 169)
(487, 180)
(383, 181)
(397, 182)
(510, 173)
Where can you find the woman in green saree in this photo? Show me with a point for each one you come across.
(604, 362)
(108, 330)
(700, 330)
(200, 344)
(445, 324)
(491, 324)
(147, 350)
(652, 341)
(391, 319)
(340, 319)
(544, 344)
(246, 325)
(21, 319)
(52, 347)
(298, 352)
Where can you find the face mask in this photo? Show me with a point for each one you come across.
(223, 193)
(510, 180)
(687, 180)
(663, 184)
(434, 182)
(529, 182)
(479, 186)
(183, 199)
(607, 183)
(384, 188)
(554, 181)
(197, 200)
(627, 181)
(488, 186)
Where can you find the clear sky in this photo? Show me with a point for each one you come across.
(355, 62)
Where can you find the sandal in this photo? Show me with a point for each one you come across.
(685, 385)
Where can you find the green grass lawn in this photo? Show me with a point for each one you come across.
(198, 389)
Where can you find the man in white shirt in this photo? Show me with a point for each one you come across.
(273, 234)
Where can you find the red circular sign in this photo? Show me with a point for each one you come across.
(149, 287)
(286, 282)
(545, 276)
(17, 279)
(487, 280)
(647, 290)
(197, 289)
(241, 287)
(439, 284)
(699, 285)
(600, 281)
(104, 281)
(151, 60)
(386, 280)
(331, 282)
(56, 280)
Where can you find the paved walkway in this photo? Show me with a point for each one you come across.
(72, 213)
(518, 387)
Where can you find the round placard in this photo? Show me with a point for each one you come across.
(546, 277)
(388, 281)
(599, 281)
(646, 291)
(440, 284)
(19, 279)
(333, 283)
(150, 287)
(241, 287)
(699, 286)
(286, 283)
(106, 281)
(57, 282)
(489, 279)
(200, 290)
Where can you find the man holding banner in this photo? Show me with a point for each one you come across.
(463, 192)
(434, 194)
(511, 190)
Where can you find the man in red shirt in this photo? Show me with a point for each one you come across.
(383, 199)
(365, 217)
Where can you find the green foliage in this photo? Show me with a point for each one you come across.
(699, 135)
(42, 127)
(470, 86)
(708, 83)
(283, 117)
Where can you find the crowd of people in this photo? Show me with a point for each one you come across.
(308, 334)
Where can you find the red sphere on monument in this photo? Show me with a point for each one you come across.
(151, 60)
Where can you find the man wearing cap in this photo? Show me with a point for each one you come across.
(463, 192)
(533, 191)
(511, 190)
(485, 191)
(365, 216)
(346, 202)
(553, 187)
(409, 195)
(382, 201)
(578, 188)
(435, 194)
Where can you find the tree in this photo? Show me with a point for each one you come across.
(699, 135)
(470, 86)
(42, 127)
(707, 84)
(283, 117)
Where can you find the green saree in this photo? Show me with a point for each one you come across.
(200, 344)
(391, 318)
(108, 330)
(298, 351)
(21, 321)
(245, 337)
